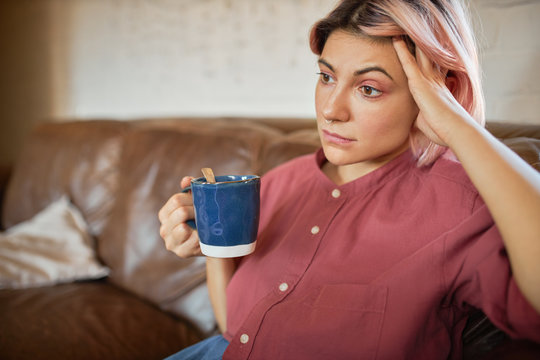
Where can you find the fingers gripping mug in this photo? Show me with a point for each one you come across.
(226, 214)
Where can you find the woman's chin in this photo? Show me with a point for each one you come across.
(337, 157)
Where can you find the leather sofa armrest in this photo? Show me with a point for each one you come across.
(483, 341)
(480, 336)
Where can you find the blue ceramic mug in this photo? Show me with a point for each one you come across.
(226, 214)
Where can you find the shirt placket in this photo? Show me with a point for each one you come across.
(316, 228)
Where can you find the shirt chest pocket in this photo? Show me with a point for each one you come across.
(346, 320)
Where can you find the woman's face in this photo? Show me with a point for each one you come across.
(363, 91)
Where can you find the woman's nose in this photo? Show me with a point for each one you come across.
(336, 107)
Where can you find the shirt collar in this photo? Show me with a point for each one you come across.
(402, 164)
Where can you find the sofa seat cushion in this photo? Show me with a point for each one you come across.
(86, 320)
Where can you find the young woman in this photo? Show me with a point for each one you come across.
(410, 216)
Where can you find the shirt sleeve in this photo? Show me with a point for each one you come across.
(477, 273)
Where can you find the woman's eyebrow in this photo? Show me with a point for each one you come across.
(372, 68)
(358, 72)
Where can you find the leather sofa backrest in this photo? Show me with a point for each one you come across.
(153, 161)
(78, 159)
(522, 139)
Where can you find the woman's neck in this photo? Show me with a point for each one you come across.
(342, 174)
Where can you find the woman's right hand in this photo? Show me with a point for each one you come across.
(179, 237)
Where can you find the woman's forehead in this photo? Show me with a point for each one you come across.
(350, 52)
(340, 39)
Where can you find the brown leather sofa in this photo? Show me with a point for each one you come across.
(119, 173)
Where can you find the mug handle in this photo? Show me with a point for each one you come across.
(190, 222)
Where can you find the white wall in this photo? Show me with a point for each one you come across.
(509, 34)
(137, 58)
(133, 58)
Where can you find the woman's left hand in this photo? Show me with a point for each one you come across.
(439, 110)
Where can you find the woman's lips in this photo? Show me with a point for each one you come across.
(336, 138)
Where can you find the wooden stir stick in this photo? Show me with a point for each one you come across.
(209, 175)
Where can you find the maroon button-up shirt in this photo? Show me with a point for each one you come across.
(385, 267)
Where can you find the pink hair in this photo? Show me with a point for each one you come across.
(440, 28)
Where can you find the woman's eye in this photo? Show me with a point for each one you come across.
(369, 91)
(325, 78)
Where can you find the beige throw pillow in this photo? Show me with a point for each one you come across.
(53, 247)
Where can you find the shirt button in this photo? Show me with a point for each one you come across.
(336, 193)
(315, 230)
(244, 338)
(283, 287)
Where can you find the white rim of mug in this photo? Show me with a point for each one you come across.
(228, 251)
